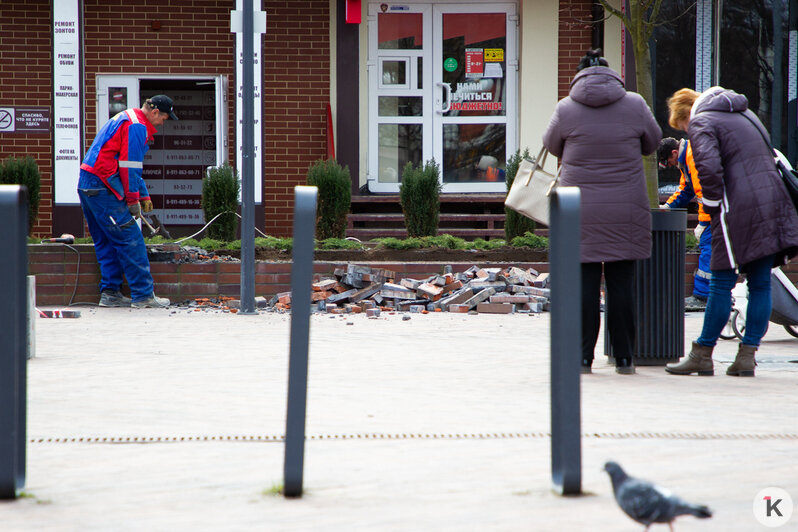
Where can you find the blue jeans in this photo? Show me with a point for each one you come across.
(719, 304)
(118, 241)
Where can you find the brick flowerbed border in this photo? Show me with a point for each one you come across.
(55, 267)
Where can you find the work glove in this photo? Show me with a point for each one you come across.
(665, 206)
(135, 209)
(146, 205)
(698, 230)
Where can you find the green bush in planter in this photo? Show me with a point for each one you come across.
(24, 171)
(516, 224)
(419, 195)
(219, 195)
(335, 197)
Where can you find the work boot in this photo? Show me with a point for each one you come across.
(695, 303)
(744, 363)
(114, 298)
(699, 360)
(587, 367)
(152, 302)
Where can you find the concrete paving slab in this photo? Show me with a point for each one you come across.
(171, 420)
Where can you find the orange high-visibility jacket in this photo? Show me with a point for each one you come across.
(689, 186)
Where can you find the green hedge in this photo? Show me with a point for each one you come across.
(24, 171)
(419, 195)
(219, 195)
(335, 197)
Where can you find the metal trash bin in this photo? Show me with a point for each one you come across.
(659, 293)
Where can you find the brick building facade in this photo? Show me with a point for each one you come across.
(170, 46)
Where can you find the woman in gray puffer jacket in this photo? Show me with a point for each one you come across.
(754, 224)
(600, 132)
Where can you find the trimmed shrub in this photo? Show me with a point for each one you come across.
(335, 197)
(419, 195)
(530, 240)
(516, 224)
(24, 171)
(690, 241)
(220, 195)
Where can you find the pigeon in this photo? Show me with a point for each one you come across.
(646, 503)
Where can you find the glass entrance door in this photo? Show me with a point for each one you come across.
(442, 85)
(474, 76)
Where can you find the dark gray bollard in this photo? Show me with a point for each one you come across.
(566, 340)
(301, 280)
(13, 338)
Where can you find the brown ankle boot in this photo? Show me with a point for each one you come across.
(744, 363)
(699, 360)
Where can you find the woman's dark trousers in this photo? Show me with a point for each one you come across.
(619, 278)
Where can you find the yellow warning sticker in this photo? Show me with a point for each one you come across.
(494, 54)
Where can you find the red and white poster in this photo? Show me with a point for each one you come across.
(474, 62)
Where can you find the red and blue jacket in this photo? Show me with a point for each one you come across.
(117, 155)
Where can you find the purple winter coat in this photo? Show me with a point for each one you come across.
(600, 132)
(752, 215)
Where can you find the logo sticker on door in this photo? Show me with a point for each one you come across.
(494, 55)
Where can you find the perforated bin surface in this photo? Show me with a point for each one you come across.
(659, 293)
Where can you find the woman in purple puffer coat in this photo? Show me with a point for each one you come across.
(600, 132)
(754, 224)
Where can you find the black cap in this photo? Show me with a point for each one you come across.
(164, 104)
(665, 150)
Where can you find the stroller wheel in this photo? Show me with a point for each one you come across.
(728, 331)
(792, 329)
(738, 324)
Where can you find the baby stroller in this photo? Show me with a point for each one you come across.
(784, 312)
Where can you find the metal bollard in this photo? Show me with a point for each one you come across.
(31, 318)
(301, 279)
(13, 338)
(566, 340)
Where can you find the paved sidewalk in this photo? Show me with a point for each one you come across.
(170, 420)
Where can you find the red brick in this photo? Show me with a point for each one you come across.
(494, 308)
(506, 298)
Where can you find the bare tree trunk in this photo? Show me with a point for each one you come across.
(639, 22)
(646, 90)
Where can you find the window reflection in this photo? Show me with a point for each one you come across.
(394, 72)
(117, 100)
(400, 105)
(674, 68)
(674, 46)
(398, 145)
(400, 31)
(473, 152)
(747, 59)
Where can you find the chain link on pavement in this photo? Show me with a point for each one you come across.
(273, 438)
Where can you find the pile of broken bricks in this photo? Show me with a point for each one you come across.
(356, 289)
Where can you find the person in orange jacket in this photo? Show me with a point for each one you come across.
(671, 152)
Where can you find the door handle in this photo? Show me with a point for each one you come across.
(447, 105)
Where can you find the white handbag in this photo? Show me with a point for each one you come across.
(532, 187)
